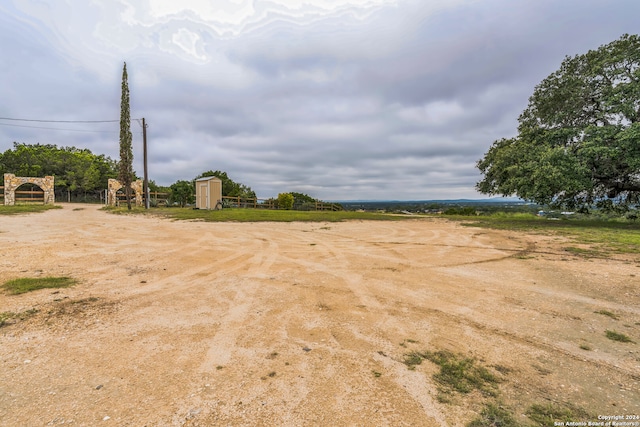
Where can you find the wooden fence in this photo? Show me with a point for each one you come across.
(239, 202)
(244, 202)
(321, 206)
(35, 196)
(157, 198)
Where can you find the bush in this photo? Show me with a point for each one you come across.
(285, 201)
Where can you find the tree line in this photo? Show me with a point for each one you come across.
(79, 174)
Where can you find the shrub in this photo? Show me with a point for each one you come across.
(285, 201)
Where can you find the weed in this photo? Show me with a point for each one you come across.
(462, 374)
(412, 359)
(21, 286)
(7, 317)
(616, 336)
(219, 367)
(4, 316)
(607, 313)
(550, 414)
(457, 373)
(585, 347)
(376, 374)
(408, 340)
(323, 306)
(493, 416)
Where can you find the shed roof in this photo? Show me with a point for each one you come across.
(208, 178)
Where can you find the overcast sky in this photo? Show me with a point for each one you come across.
(339, 99)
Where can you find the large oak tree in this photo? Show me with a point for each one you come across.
(578, 141)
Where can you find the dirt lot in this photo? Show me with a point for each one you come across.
(193, 323)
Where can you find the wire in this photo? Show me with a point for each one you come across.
(60, 121)
(63, 121)
(68, 130)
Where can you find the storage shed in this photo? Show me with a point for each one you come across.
(209, 193)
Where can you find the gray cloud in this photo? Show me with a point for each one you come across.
(354, 99)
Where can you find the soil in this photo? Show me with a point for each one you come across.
(177, 323)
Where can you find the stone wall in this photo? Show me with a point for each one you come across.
(115, 185)
(12, 182)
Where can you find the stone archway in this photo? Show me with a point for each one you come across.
(115, 185)
(12, 182)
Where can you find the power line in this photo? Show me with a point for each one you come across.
(63, 121)
(59, 121)
(49, 128)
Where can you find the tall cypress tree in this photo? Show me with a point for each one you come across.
(125, 170)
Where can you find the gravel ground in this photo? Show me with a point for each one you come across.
(262, 324)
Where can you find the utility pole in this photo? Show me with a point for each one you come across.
(146, 174)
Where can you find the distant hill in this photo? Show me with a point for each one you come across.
(434, 205)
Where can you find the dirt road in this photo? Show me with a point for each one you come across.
(265, 324)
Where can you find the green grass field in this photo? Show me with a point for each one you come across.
(259, 215)
(603, 237)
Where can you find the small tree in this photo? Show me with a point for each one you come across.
(125, 170)
(182, 192)
(285, 201)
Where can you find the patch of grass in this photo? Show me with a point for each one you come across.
(457, 373)
(607, 313)
(412, 359)
(585, 347)
(256, 215)
(26, 208)
(617, 336)
(602, 237)
(7, 316)
(494, 415)
(219, 367)
(408, 340)
(583, 251)
(376, 374)
(27, 284)
(549, 414)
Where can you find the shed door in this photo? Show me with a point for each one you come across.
(204, 200)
